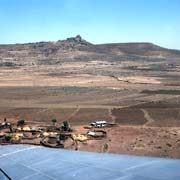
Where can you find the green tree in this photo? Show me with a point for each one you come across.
(54, 121)
(21, 122)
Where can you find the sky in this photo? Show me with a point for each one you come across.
(97, 21)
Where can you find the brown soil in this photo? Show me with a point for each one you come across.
(137, 91)
(128, 116)
(86, 116)
(136, 140)
(165, 117)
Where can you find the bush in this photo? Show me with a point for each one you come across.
(54, 121)
(21, 123)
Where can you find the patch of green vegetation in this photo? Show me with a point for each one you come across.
(171, 84)
(73, 89)
(105, 147)
(162, 91)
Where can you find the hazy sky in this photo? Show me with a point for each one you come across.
(97, 21)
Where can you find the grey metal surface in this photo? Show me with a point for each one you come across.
(3, 176)
(31, 162)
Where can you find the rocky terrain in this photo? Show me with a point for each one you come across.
(135, 85)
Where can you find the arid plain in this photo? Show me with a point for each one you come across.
(135, 85)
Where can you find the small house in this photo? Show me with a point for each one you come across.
(99, 124)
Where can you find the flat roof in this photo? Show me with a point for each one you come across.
(100, 122)
(22, 162)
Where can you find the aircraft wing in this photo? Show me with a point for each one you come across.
(25, 162)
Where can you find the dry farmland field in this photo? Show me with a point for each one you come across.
(136, 87)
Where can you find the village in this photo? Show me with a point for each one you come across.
(53, 136)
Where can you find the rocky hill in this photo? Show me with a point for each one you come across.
(77, 49)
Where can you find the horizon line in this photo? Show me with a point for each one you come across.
(104, 43)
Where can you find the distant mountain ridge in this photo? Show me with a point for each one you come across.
(76, 48)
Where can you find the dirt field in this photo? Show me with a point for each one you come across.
(163, 142)
(85, 116)
(151, 129)
(127, 116)
(142, 97)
